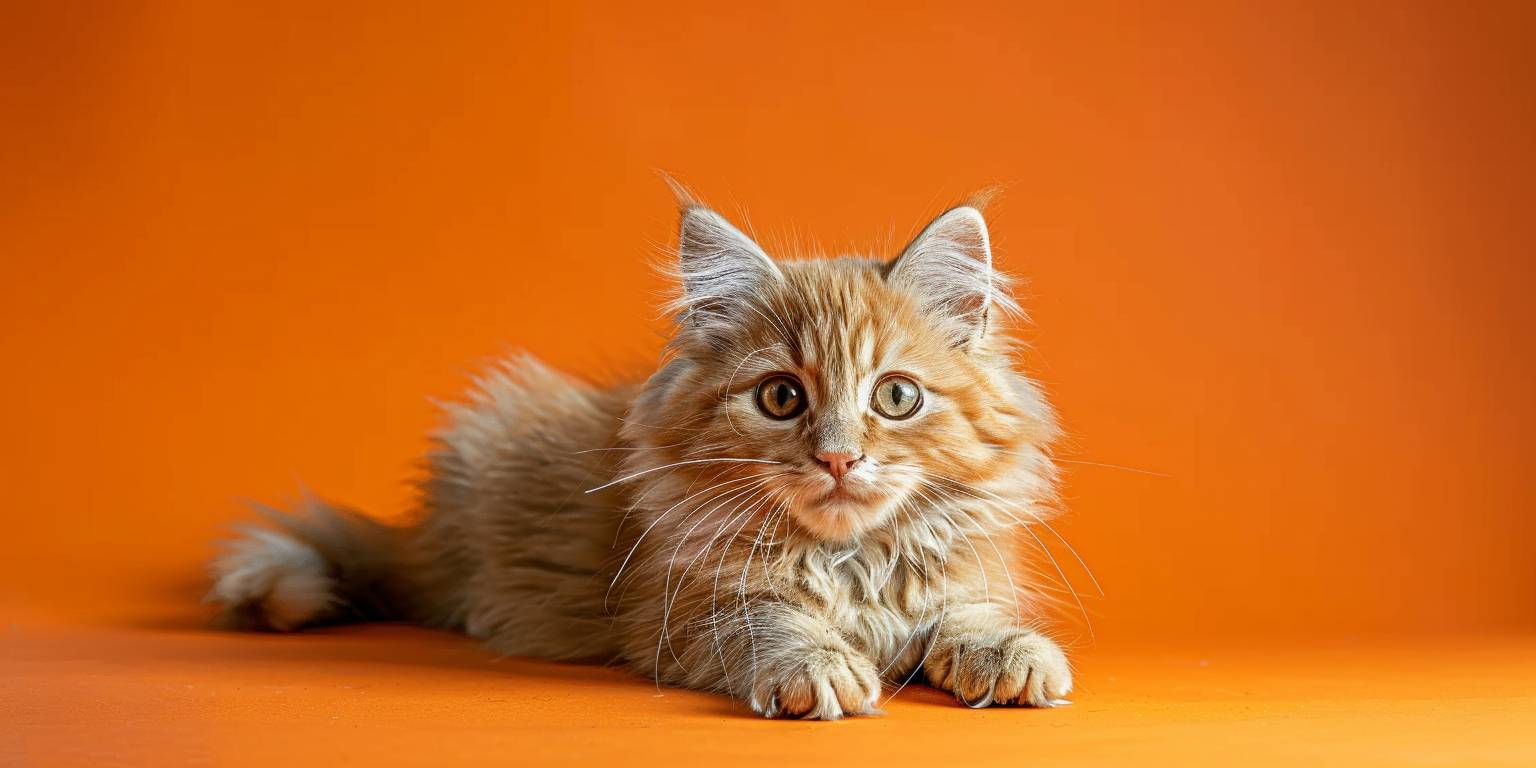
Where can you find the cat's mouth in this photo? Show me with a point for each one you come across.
(845, 493)
(839, 516)
(841, 492)
(840, 510)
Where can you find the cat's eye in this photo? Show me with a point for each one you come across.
(897, 397)
(781, 397)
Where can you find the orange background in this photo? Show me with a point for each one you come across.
(1279, 262)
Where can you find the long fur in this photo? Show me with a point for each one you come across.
(671, 525)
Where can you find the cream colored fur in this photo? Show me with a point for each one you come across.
(673, 525)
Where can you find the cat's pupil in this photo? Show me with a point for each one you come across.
(782, 394)
(898, 394)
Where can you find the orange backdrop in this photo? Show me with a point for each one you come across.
(1279, 263)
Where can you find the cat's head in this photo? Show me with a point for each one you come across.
(850, 393)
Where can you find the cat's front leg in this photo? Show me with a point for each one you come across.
(984, 656)
(794, 664)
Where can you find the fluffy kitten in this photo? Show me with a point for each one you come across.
(816, 494)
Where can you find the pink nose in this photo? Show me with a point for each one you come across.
(837, 463)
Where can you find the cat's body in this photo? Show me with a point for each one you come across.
(818, 492)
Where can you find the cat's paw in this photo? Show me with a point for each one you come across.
(1014, 665)
(818, 684)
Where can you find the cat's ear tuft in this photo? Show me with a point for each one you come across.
(948, 267)
(720, 268)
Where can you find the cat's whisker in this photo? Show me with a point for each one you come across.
(618, 530)
(725, 551)
(669, 428)
(905, 509)
(1113, 466)
(731, 382)
(750, 491)
(1085, 462)
(741, 605)
(622, 565)
(980, 566)
(668, 604)
(756, 541)
(1009, 503)
(775, 516)
(1079, 558)
(685, 462)
(782, 514)
(621, 449)
(743, 509)
(894, 561)
(1003, 561)
(715, 617)
(708, 474)
(938, 626)
(1082, 609)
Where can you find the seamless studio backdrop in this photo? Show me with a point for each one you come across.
(1278, 265)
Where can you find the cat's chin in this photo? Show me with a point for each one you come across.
(840, 515)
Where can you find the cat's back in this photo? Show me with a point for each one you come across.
(512, 548)
(529, 427)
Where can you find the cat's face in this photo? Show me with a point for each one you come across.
(850, 393)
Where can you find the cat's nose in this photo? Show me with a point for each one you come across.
(838, 463)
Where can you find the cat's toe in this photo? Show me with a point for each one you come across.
(1019, 666)
(1033, 671)
(822, 684)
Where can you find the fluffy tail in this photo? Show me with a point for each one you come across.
(319, 564)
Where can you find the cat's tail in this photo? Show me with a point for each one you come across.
(317, 564)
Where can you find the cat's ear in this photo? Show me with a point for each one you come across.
(721, 269)
(948, 267)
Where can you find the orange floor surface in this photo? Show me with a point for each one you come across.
(387, 695)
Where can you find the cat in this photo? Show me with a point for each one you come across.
(816, 494)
